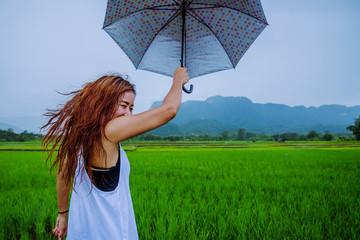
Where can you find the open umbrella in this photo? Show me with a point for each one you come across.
(204, 35)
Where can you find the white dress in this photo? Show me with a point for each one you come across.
(95, 214)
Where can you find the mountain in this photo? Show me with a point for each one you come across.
(19, 124)
(218, 113)
(5, 126)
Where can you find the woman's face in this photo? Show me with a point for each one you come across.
(125, 105)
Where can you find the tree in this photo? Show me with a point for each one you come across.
(302, 137)
(327, 136)
(225, 135)
(289, 136)
(10, 136)
(240, 134)
(250, 135)
(355, 129)
(276, 137)
(312, 135)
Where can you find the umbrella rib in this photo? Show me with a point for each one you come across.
(176, 3)
(166, 23)
(206, 25)
(219, 6)
(144, 9)
(160, 7)
(179, 5)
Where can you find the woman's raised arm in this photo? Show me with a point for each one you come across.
(125, 127)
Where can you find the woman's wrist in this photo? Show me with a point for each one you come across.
(63, 212)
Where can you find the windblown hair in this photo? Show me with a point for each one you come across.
(77, 127)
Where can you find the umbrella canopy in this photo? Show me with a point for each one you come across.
(204, 35)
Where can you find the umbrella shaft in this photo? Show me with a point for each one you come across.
(183, 14)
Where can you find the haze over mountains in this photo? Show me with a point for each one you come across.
(20, 124)
(218, 113)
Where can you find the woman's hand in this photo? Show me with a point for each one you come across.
(60, 229)
(181, 75)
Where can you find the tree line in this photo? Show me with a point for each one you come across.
(10, 136)
(240, 135)
(243, 135)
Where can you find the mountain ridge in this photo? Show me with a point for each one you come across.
(217, 114)
(231, 113)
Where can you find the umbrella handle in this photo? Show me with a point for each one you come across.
(188, 91)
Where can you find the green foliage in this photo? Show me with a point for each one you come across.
(327, 137)
(313, 135)
(28, 203)
(229, 194)
(225, 135)
(302, 137)
(240, 134)
(343, 138)
(10, 136)
(207, 193)
(290, 136)
(355, 129)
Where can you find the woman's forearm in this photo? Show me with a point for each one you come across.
(173, 98)
(63, 191)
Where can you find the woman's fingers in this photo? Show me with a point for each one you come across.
(182, 75)
(63, 234)
(56, 232)
(59, 233)
(186, 77)
(60, 229)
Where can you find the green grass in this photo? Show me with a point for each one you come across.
(28, 196)
(35, 145)
(207, 191)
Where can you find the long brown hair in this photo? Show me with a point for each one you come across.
(77, 127)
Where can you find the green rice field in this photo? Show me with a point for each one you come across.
(208, 190)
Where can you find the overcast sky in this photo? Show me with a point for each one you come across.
(308, 55)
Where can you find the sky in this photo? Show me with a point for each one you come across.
(308, 55)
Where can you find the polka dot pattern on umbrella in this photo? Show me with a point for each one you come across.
(250, 7)
(117, 9)
(163, 55)
(135, 32)
(204, 53)
(235, 30)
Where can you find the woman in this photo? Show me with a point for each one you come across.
(87, 131)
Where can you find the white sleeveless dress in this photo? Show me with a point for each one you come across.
(95, 214)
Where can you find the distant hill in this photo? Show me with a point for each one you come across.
(19, 124)
(218, 113)
(5, 126)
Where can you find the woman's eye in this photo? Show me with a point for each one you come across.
(123, 106)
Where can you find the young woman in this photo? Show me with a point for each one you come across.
(87, 131)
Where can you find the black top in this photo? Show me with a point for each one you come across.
(107, 179)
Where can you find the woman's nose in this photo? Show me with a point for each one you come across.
(127, 112)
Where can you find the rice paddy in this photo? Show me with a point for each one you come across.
(236, 190)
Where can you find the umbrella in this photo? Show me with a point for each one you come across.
(204, 35)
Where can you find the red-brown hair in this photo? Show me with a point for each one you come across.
(77, 127)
